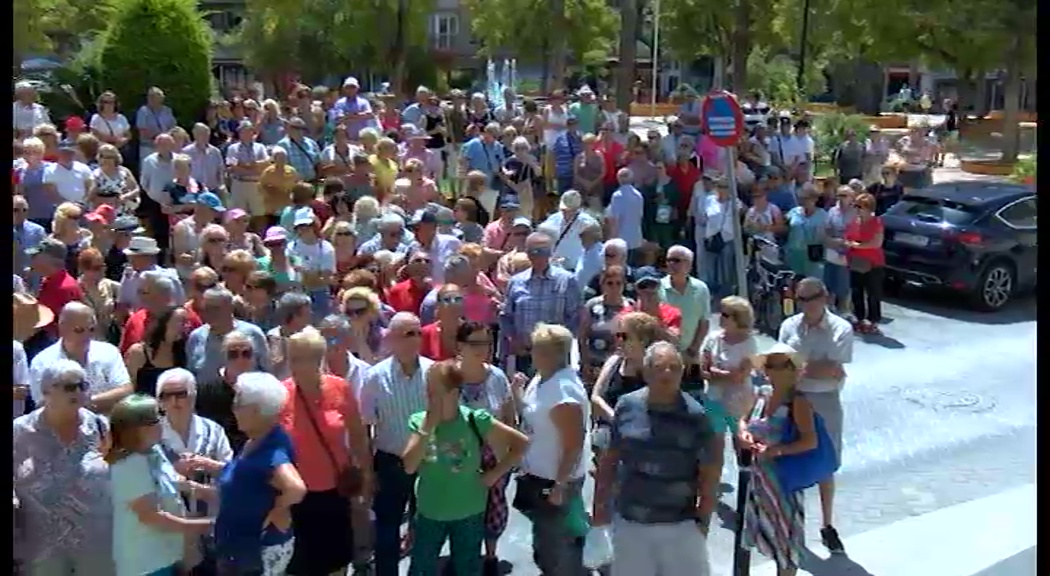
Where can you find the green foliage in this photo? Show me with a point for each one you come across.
(163, 43)
(829, 132)
(523, 27)
(45, 25)
(776, 77)
(1025, 170)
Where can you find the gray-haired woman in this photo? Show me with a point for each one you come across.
(61, 480)
(293, 313)
(253, 532)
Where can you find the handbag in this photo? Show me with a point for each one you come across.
(715, 243)
(349, 481)
(815, 252)
(796, 472)
(531, 496)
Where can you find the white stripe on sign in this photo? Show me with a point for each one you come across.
(959, 540)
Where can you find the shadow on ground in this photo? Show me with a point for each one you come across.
(956, 307)
(836, 565)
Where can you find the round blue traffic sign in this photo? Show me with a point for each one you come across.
(723, 118)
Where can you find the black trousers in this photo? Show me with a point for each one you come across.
(867, 294)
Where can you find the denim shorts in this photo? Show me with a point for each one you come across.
(836, 278)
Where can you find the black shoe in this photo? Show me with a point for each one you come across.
(490, 567)
(830, 537)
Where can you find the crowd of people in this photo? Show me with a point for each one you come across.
(330, 331)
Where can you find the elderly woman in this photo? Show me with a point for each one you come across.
(277, 262)
(622, 372)
(150, 523)
(100, 293)
(807, 230)
(719, 211)
(321, 416)
(114, 180)
(446, 450)
(362, 307)
(214, 397)
(775, 519)
(614, 253)
(212, 246)
(343, 241)
(236, 266)
(293, 314)
(725, 362)
(342, 207)
(556, 412)
(439, 337)
(867, 262)
(236, 223)
(597, 335)
(366, 217)
(61, 480)
(66, 228)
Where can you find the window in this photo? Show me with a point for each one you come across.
(1020, 214)
(223, 21)
(443, 31)
(932, 210)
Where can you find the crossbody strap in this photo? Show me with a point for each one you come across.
(317, 431)
(565, 231)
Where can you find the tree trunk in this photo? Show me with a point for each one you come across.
(399, 50)
(1012, 103)
(625, 67)
(545, 67)
(741, 41)
(558, 46)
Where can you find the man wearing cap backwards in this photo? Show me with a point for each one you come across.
(57, 286)
(428, 240)
(565, 226)
(26, 112)
(303, 152)
(68, 177)
(351, 109)
(152, 120)
(246, 159)
(824, 342)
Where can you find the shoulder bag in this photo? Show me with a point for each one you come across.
(796, 472)
(715, 244)
(349, 480)
(565, 231)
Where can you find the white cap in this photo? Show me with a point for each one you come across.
(351, 81)
(304, 217)
(585, 90)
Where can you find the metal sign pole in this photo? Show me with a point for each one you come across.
(738, 239)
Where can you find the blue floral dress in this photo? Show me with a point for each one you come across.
(805, 231)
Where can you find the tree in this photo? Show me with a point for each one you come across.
(45, 25)
(532, 30)
(163, 43)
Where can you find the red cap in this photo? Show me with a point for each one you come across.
(75, 123)
(104, 214)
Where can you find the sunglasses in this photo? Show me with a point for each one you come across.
(451, 300)
(239, 353)
(538, 252)
(205, 286)
(72, 387)
(176, 395)
(357, 311)
(519, 233)
(810, 298)
(344, 233)
(83, 329)
(215, 240)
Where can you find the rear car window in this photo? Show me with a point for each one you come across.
(933, 210)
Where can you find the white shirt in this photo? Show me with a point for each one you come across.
(719, 218)
(831, 339)
(316, 257)
(105, 368)
(556, 122)
(118, 126)
(626, 208)
(26, 118)
(571, 247)
(795, 149)
(72, 182)
(21, 375)
(545, 448)
(589, 265)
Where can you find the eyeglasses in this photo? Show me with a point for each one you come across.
(203, 287)
(359, 311)
(175, 395)
(345, 233)
(451, 300)
(726, 315)
(810, 298)
(72, 387)
(83, 329)
(538, 252)
(675, 260)
(239, 353)
(420, 261)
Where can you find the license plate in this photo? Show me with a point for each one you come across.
(912, 239)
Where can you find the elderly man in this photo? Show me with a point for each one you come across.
(586, 110)
(351, 109)
(614, 253)
(69, 178)
(393, 390)
(566, 226)
(390, 235)
(692, 298)
(215, 395)
(158, 171)
(408, 295)
(824, 341)
(661, 519)
(675, 136)
(428, 240)
(510, 110)
(245, 160)
(543, 293)
(26, 112)
(204, 352)
(157, 292)
(142, 253)
(485, 154)
(152, 120)
(623, 217)
(414, 112)
(590, 264)
(206, 161)
(107, 376)
(57, 286)
(458, 271)
(293, 312)
(303, 152)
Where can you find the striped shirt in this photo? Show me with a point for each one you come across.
(207, 165)
(303, 155)
(389, 398)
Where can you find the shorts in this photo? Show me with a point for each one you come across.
(248, 197)
(836, 278)
(829, 406)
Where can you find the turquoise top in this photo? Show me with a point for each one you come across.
(139, 549)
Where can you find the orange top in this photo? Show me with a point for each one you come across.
(331, 409)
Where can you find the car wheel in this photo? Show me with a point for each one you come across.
(893, 285)
(995, 288)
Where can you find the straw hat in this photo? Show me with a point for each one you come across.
(778, 349)
(29, 314)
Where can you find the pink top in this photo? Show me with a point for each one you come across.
(710, 153)
(478, 307)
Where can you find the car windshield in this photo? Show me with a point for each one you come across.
(933, 210)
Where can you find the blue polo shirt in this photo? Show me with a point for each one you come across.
(246, 497)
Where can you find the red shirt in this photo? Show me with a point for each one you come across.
(684, 176)
(321, 210)
(613, 155)
(432, 346)
(864, 232)
(670, 316)
(56, 291)
(135, 327)
(406, 296)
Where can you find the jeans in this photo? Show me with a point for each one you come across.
(464, 539)
(555, 549)
(720, 272)
(867, 294)
(394, 489)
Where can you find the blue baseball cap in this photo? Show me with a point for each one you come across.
(647, 275)
(211, 200)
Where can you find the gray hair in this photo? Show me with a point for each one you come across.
(290, 304)
(76, 308)
(403, 318)
(812, 283)
(390, 219)
(656, 349)
(618, 243)
(278, 150)
(217, 295)
(370, 132)
(336, 322)
(63, 371)
(177, 376)
(520, 142)
(262, 391)
(456, 262)
(682, 251)
(237, 336)
(160, 280)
